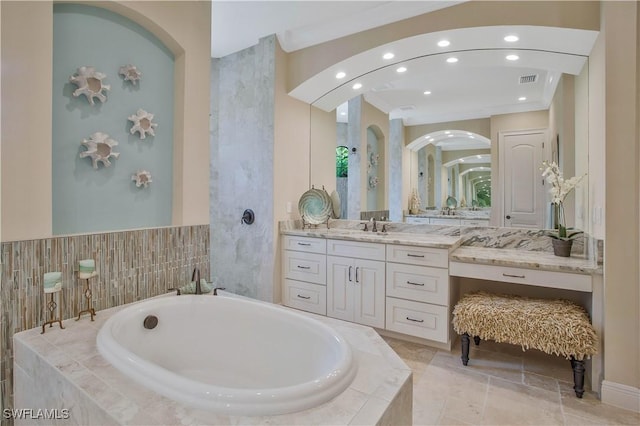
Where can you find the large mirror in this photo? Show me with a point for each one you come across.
(423, 136)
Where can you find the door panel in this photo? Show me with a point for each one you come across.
(369, 293)
(524, 198)
(339, 288)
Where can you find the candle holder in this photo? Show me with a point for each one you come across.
(52, 284)
(86, 272)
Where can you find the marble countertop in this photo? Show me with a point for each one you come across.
(528, 259)
(403, 238)
(519, 248)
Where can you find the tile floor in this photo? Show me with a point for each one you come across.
(501, 386)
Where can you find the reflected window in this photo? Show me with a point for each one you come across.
(342, 161)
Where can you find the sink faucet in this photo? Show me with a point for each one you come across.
(374, 228)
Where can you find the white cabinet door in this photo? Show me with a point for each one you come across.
(369, 293)
(356, 290)
(340, 287)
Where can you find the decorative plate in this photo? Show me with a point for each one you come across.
(337, 206)
(315, 206)
(451, 202)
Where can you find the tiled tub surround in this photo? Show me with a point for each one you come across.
(131, 266)
(68, 371)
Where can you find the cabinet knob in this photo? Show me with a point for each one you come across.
(508, 216)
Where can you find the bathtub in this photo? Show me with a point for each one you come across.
(228, 355)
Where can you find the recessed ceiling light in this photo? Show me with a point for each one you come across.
(462, 160)
(343, 113)
(450, 136)
(472, 137)
(522, 98)
(341, 74)
(512, 57)
(479, 156)
(427, 92)
(444, 43)
(357, 86)
(452, 60)
(511, 38)
(401, 69)
(446, 132)
(469, 133)
(431, 140)
(388, 56)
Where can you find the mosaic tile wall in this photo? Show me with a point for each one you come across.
(131, 266)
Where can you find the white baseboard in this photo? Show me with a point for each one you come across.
(620, 395)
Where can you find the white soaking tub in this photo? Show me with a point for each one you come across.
(228, 355)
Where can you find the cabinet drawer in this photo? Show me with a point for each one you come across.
(474, 222)
(309, 267)
(508, 274)
(305, 296)
(308, 244)
(420, 220)
(419, 283)
(418, 319)
(425, 256)
(371, 251)
(444, 221)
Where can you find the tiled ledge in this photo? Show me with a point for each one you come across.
(67, 370)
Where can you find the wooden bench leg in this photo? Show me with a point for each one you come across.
(464, 340)
(578, 376)
(476, 340)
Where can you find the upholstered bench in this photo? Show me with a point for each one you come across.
(557, 327)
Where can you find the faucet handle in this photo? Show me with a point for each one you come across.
(385, 227)
(365, 229)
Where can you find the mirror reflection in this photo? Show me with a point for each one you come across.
(419, 141)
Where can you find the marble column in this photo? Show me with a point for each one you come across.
(354, 138)
(438, 178)
(242, 149)
(396, 143)
(422, 178)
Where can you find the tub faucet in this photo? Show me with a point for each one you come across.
(196, 278)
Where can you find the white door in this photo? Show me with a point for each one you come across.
(523, 188)
(340, 287)
(369, 293)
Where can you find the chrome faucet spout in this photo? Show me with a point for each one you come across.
(374, 228)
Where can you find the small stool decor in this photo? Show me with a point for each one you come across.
(557, 327)
(52, 284)
(87, 271)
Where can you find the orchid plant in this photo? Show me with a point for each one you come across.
(560, 188)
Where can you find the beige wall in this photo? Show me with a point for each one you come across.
(305, 63)
(372, 116)
(622, 195)
(480, 126)
(27, 30)
(26, 44)
(323, 148)
(291, 158)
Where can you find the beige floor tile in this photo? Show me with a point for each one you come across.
(590, 408)
(502, 386)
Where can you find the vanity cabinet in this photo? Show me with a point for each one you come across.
(418, 292)
(304, 266)
(356, 282)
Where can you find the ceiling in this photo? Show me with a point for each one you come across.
(482, 83)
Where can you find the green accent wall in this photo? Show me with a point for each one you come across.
(89, 200)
